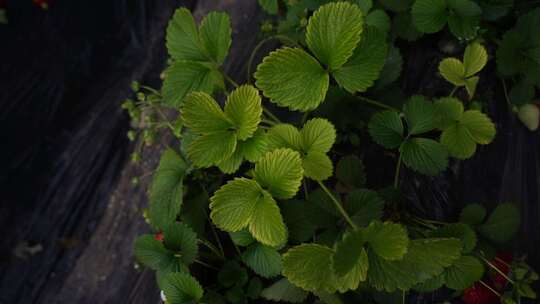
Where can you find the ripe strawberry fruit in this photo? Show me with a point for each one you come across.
(159, 236)
(479, 294)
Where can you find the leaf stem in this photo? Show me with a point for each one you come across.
(453, 91)
(498, 270)
(376, 103)
(205, 264)
(271, 115)
(270, 122)
(398, 168)
(338, 206)
(212, 248)
(229, 79)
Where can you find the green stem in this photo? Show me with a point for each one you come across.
(229, 79)
(271, 115)
(398, 168)
(453, 91)
(212, 248)
(257, 48)
(338, 206)
(376, 103)
(498, 270)
(270, 122)
(506, 94)
(205, 264)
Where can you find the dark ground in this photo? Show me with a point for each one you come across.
(65, 177)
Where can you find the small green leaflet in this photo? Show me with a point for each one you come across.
(270, 6)
(280, 172)
(242, 237)
(473, 214)
(463, 73)
(350, 258)
(222, 132)
(502, 224)
(386, 129)
(424, 155)
(263, 260)
(181, 288)
(380, 20)
(464, 273)
(388, 240)
(283, 290)
(364, 206)
(350, 171)
(232, 274)
(180, 238)
(459, 231)
(419, 115)
(153, 254)
(166, 190)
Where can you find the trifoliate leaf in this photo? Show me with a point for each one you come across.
(166, 190)
(183, 42)
(184, 77)
(464, 273)
(448, 111)
(181, 239)
(210, 149)
(215, 33)
(350, 258)
(429, 16)
(309, 266)
(502, 223)
(280, 172)
(386, 129)
(243, 107)
(364, 206)
(333, 32)
(234, 204)
(181, 288)
(267, 224)
(318, 135)
(419, 115)
(453, 70)
(459, 231)
(242, 237)
(284, 291)
(317, 166)
(425, 259)
(254, 147)
(270, 6)
(202, 114)
(292, 78)
(364, 66)
(300, 228)
(474, 59)
(473, 214)
(424, 155)
(263, 260)
(284, 136)
(232, 274)
(387, 240)
(380, 20)
(350, 171)
(152, 254)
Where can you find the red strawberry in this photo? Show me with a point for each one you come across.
(479, 294)
(159, 236)
(502, 262)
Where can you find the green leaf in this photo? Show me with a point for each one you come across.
(464, 273)
(387, 240)
(464, 8)
(458, 141)
(263, 260)
(391, 69)
(280, 172)
(473, 214)
(364, 5)
(425, 259)
(243, 107)
(397, 5)
(480, 127)
(233, 205)
(502, 224)
(211, 149)
(284, 136)
(292, 78)
(470, 85)
(430, 285)
(464, 28)
(180, 238)
(202, 114)
(419, 115)
(364, 66)
(254, 288)
(429, 16)
(453, 70)
(460, 231)
(166, 190)
(309, 266)
(267, 224)
(351, 171)
(425, 156)
(232, 163)
(402, 25)
(386, 129)
(242, 237)
(380, 20)
(300, 229)
(474, 59)
(318, 135)
(317, 166)
(350, 261)
(448, 111)
(333, 32)
(232, 274)
(270, 6)
(364, 206)
(283, 290)
(255, 147)
(215, 33)
(184, 77)
(183, 42)
(181, 288)
(152, 254)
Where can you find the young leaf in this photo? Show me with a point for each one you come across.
(283, 290)
(255, 147)
(464, 273)
(166, 190)
(183, 41)
(263, 260)
(318, 135)
(351, 171)
(448, 111)
(502, 223)
(211, 149)
(232, 163)
(380, 20)
(292, 78)
(429, 16)
(366, 63)
(317, 166)
(181, 288)
(350, 257)
(242, 237)
(386, 129)
(419, 115)
(284, 136)
(474, 59)
(280, 172)
(202, 114)
(215, 33)
(243, 107)
(473, 214)
(267, 224)
(480, 127)
(387, 240)
(453, 70)
(364, 206)
(180, 238)
(459, 231)
(424, 155)
(152, 254)
(333, 32)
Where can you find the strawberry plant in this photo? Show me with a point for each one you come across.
(252, 206)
